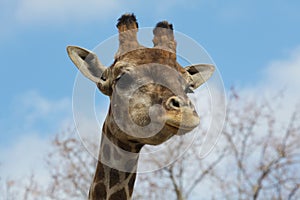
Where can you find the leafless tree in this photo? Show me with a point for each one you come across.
(263, 160)
(71, 167)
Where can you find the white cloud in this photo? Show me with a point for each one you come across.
(24, 157)
(61, 11)
(38, 119)
(280, 84)
(57, 11)
(34, 108)
(285, 73)
(280, 75)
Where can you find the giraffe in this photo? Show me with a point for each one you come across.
(147, 89)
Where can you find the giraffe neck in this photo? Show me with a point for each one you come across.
(116, 169)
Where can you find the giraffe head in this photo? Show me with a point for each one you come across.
(147, 86)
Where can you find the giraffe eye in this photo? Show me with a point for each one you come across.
(118, 77)
(124, 81)
(103, 78)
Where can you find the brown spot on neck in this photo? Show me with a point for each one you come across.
(114, 177)
(131, 184)
(120, 195)
(98, 191)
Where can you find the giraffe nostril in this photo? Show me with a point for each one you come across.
(177, 103)
(174, 103)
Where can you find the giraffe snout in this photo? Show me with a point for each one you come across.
(181, 114)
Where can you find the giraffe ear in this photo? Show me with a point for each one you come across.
(87, 62)
(198, 74)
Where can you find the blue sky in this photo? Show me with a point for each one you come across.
(244, 38)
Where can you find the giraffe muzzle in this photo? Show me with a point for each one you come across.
(181, 114)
